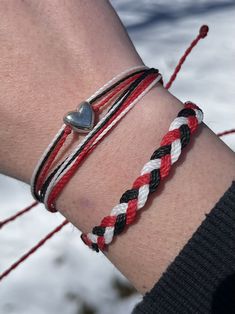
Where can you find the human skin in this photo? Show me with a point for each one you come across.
(53, 55)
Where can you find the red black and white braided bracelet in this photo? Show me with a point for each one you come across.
(153, 172)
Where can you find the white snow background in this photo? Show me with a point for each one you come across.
(64, 274)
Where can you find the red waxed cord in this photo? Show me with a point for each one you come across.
(115, 91)
(32, 250)
(202, 34)
(55, 152)
(19, 213)
(226, 132)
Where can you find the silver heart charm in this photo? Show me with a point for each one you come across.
(81, 120)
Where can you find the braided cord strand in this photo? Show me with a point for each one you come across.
(153, 172)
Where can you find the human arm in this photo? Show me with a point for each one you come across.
(60, 62)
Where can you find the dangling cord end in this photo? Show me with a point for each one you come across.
(203, 31)
(202, 34)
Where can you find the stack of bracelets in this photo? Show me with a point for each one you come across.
(121, 94)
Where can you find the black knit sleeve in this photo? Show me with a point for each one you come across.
(201, 279)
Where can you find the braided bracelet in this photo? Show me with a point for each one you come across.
(152, 173)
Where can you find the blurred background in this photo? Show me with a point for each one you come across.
(65, 277)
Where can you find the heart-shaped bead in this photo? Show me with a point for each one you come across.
(81, 120)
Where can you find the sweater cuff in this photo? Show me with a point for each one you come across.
(201, 279)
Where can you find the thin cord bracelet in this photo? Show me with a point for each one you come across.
(62, 134)
(67, 130)
(58, 142)
(147, 73)
(153, 172)
(74, 160)
(102, 124)
(52, 150)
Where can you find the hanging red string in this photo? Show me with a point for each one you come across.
(226, 132)
(33, 249)
(18, 214)
(202, 34)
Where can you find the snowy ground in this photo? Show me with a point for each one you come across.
(57, 279)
